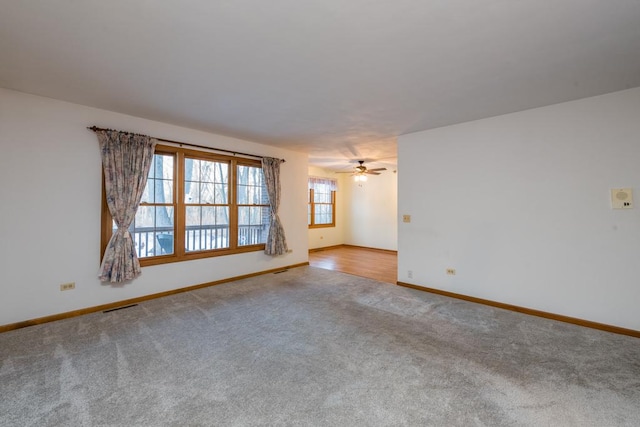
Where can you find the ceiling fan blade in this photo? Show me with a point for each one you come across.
(372, 173)
(377, 169)
(345, 172)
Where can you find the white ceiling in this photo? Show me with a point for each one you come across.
(339, 79)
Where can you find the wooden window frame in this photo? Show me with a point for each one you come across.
(312, 204)
(180, 254)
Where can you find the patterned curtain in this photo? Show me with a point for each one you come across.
(276, 241)
(319, 182)
(126, 160)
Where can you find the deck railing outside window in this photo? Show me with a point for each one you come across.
(158, 241)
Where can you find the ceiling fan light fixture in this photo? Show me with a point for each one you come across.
(361, 171)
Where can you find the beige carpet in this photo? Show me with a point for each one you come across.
(316, 347)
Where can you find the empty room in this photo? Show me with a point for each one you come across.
(167, 167)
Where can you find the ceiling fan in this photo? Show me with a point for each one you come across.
(361, 171)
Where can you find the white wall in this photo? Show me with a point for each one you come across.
(330, 236)
(50, 186)
(520, 205)
(372, 214)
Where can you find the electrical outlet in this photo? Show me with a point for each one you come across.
(451, 271)
(410, 274)
(68, 286)
(622, 198)
(406, 218)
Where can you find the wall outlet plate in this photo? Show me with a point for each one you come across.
(621, 198)
(68, 286)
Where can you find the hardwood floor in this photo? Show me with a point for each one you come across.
(371, 263)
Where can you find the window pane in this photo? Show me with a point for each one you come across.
(205, 182)
(323, 214)
(251, 186)
(165, 242)
(207, 193)
(191, 170)
(207, 171)
(152, 231)
(159, 188)
(319, 197)
(207, 227)
(243, 196)
(253, 225)
(164, 191)
(192, 192)
(149, 191)
(221, 194)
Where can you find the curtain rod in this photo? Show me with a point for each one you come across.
(96, 129)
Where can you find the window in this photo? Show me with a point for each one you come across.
(195, 205)
(322, 202)
(154, 221)
(254, 211)
(206, 203)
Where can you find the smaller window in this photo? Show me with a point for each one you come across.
(322, 202)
